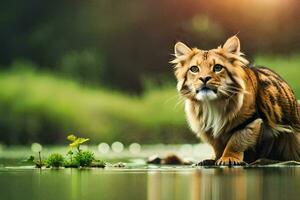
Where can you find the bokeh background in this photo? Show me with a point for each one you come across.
(99, 68)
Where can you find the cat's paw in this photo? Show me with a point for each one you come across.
(207, 162)
(229, 161)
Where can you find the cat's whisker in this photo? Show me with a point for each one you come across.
(230, 97)
(180, 101)
(170, 99)
(238, 89)
(234, 90)
(224, 92)
(228, 90)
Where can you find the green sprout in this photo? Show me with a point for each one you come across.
(71, 163)
(70, 153)
(55, 160)
(76, 142)
(30, 159)
(37, 162)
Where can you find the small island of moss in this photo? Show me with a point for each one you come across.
(75, 157)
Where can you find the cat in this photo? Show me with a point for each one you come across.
(245, 113)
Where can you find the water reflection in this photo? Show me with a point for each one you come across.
(227, 183)
(154, 184)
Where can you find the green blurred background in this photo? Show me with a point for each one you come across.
(99, 68)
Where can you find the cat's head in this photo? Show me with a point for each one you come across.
(209, 75)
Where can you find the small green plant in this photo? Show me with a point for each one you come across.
(79, 158)
(71, 164)
(55, 160)
(84, 158)
(75, 157)
(37, 162)
(98, 163)
(70, 154)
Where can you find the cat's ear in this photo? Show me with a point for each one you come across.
(232, 45)
(181, 49)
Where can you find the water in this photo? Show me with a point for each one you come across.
(140, 181)
(153, 184)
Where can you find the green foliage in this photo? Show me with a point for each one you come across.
(39, 163)
(30, 159)
(79, 158)
(98, 163)
(55, 160)
(70, 40)
(71, 164)
(74, 159)
(46, 107)
(84, 158)
(85, 66)
(70, 153)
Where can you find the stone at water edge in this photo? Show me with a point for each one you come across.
(119, 165)
(154, 159)
(171, 159)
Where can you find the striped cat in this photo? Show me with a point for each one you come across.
(243, 112)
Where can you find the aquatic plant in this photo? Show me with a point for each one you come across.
(98, 163)
(76, 142)
(55, 160)
(79, 158)
(74, 158)
(84, 158)
(37, 162)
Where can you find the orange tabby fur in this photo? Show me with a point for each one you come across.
(244, 113)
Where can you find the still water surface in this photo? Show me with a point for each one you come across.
(150, 183)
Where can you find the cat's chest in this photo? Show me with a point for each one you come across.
(205, 119)
(193, 118)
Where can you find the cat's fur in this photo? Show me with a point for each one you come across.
(244, 113)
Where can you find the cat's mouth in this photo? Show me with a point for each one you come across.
(205, 93)
(206, 89)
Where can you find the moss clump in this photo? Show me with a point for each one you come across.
(84, 158)
(75, 157)
(98, 164)
(55, 160)
(71, 164)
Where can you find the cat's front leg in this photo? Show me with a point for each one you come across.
(218, 149)
(239, 142)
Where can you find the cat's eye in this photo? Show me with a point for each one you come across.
(217, 68)
(194, 69)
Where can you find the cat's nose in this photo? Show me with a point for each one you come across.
(205, 79)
